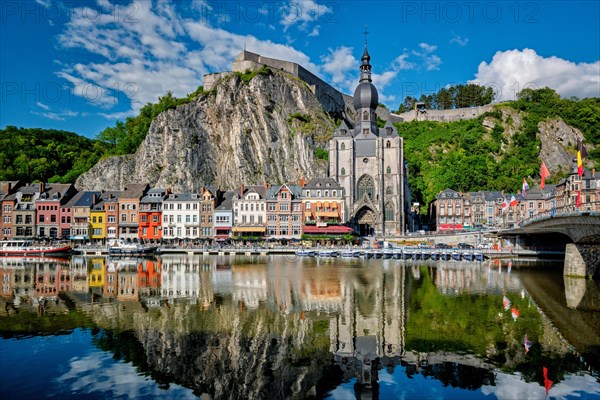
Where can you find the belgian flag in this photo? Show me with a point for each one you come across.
(581, 154)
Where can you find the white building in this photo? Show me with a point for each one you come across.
(181, 216)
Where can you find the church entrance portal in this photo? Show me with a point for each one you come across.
(365, 219)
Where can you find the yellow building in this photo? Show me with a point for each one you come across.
(98, 222)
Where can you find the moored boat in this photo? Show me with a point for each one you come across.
(121, 247)
(28, 248)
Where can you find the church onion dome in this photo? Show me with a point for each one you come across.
(365, 96)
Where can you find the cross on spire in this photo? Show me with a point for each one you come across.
(366, 32)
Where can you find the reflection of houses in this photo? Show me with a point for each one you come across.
(249, 285)
(96, 275)
(47, 278)
(149, 277)
(79, 274)
(451, 278)
(110, 279)
(23, 282)
(180, 278)
(323, 293)
(127, 279)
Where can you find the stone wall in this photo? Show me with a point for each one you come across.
(457, 114)
(582, 260)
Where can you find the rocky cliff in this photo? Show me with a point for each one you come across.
(262, 130)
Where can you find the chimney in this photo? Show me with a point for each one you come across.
(42, 187)
(8, 187)
(94, 199)
(241, 189)
(168, 191)
(301, 182)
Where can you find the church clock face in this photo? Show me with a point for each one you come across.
(365, 160)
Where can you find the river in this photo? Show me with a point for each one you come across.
(268, 327)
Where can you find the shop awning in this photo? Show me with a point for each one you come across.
(327, 214)
(249, 229)
(327, 230)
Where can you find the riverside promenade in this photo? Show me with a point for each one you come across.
(405, 252)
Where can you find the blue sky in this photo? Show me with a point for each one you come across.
(80, 65)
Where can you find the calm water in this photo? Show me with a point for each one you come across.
(284, 327)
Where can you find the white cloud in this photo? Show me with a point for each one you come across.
(56, 116)
(302, 13)
(341, 66)
(458, 40)
(512, 70)
(98, 375)
(514, 387)
(429, 60)
(42, 105)
(428, 48)
(44, 3)
(315, 31)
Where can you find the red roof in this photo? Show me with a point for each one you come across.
(332, 229)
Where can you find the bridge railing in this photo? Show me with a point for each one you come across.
(592, 208)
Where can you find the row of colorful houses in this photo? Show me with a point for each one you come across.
(454, 210)
(139, 212)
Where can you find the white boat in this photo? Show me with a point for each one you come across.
(27, 248)
(121, 247)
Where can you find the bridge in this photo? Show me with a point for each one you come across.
(577, 230)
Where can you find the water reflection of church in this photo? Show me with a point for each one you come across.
(369, 330)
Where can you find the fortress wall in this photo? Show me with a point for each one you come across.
(210, 80)
(446, 115)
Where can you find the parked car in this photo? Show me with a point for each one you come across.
(423, 245)
(443, 246)
(465, 246)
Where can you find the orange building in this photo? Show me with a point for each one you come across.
(150, 214)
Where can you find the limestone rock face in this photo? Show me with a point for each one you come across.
(556, 136)
(265, 130)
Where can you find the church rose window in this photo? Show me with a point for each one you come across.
(365, 185)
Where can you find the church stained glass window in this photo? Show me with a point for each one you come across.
(365, 185)
(389, 212)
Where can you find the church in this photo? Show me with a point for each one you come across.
(368, 162)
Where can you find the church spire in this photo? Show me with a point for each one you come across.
(365, 66)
